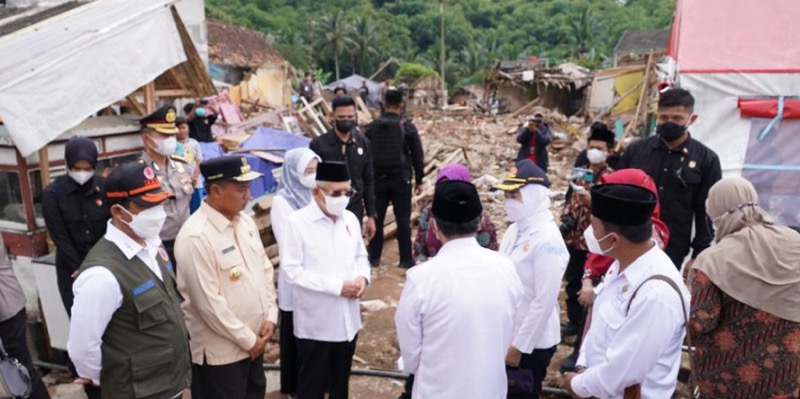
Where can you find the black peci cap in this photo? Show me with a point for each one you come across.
(229, 167)
(136, 181)
(600, 131)
(456, 201)
(623, 204)
(333, 172)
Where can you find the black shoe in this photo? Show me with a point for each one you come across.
(405, 265)
(374, 263)
(569, 363)
(569, 329)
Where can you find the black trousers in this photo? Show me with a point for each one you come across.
(290, 362)
(676, 252)
(574, 276)
(244, 379)
(13, 332)
(537, 362)
(356, 206)
(325, 366)
(396, 191)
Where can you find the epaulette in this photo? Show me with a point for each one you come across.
(177, 157)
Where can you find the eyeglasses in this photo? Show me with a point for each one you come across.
(349, 193)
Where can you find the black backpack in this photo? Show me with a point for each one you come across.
(388, 139)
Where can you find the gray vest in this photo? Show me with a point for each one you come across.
(145, 346)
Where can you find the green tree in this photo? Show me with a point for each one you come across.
(364, 46)
(332, 36)
(584, 30)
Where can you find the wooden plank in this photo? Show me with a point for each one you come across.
(179, 79)
(138, 107)
(150, 97)
(642, 100)
(174, 93)
(44, 166)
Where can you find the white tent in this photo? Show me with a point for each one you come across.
(741, 61)
(56, 73)
(353, 83)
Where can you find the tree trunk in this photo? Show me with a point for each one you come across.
(336, 58)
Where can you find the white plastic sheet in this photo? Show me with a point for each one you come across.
(56, 73)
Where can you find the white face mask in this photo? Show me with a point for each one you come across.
(593, 243)
(596, 156)
(515, 210)
(167, 146)
(309, 181)
(81, 176)
(147, 224)
(336, 205)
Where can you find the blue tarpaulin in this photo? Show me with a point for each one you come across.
(263, 139)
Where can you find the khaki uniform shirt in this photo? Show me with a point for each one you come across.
(176, 178)
(227, 284)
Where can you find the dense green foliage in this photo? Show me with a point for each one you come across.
(357, 36)
(411, 72)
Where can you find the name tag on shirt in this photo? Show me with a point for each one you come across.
(148, 285)
(228, 250)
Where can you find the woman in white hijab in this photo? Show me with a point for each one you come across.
(535, 245)
(298, 176)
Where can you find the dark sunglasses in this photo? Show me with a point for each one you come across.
(349, 193)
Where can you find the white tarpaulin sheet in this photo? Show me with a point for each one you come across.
(719, 124)
(55, 74)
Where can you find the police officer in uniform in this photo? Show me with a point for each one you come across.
(160, 141)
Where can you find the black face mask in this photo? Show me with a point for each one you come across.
(670, 131)
(345, 126)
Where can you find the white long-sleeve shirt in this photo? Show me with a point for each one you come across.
(540, 258)
(97, 298)
(454, 322)
(643, 346)
(279, 216)
(318, 255)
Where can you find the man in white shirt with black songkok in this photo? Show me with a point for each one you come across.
(639, 315)
(455, 318)
(324, 257)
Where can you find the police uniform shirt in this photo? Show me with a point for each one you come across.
(175, 177)
(227, 284)
(638, 346)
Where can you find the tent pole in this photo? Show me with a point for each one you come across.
(44, 166)
(150, 97)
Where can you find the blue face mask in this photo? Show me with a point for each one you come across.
(201, 112)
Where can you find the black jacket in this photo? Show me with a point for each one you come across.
(414, 155)
(200, 128)
(358, 155)
(543, 138)
(683, 177)
(76, 218)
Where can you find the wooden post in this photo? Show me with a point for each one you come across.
(44, 165)
(150, 97)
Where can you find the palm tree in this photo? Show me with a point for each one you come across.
(331, 35)
(364, 48)
(584, 30)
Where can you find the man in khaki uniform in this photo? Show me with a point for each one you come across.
(226, 281)
(160, 142)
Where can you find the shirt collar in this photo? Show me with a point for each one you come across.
(638, 270)
(660, 144)
(128, 246)
(217, 219)
(315, 212)
(459, 244)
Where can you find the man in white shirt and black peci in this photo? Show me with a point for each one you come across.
(633, 346)
(324, 257)
(455, 318)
